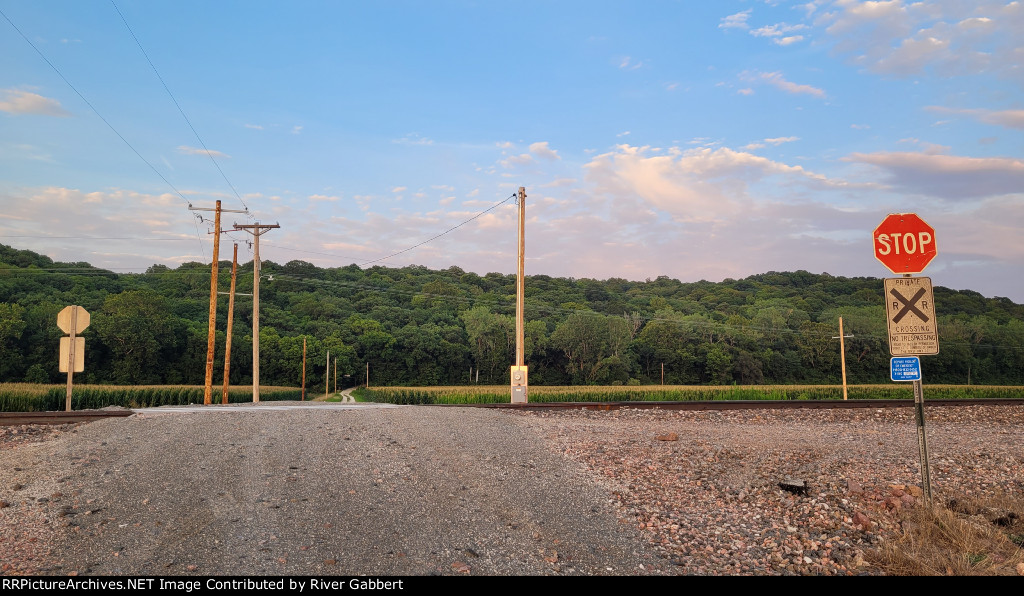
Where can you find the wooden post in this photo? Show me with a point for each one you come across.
(71, 356)
(367, 375)
(335, 374)
(327, 375)
(256, 230)
(231, 320)
(211, 328)
(662, 373)
(303, 368)
(842, 352)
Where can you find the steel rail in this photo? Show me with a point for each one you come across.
(18, 418)
(747, 404)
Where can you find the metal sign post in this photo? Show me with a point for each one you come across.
(905, 244)
(922, 442)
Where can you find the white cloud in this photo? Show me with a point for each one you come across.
(398, 189)
(746, 91)
(186, 150)
(543, 151)
(296, 129)
(16, 101)
(517, 160)
(329, 198)
(628, 64)
(790, 39)
(254, 126)
(1004, 118)
(781, 140)
(736, 21)
(700, 184)
(775, 79)
(413, 139)
(936, 174)
(777, 30)
(944, 38)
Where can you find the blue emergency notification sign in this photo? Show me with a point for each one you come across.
(905, 368)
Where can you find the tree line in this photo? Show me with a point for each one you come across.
(419, 327)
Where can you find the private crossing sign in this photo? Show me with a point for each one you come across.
(910, 314)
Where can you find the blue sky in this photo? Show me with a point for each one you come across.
(698, 140)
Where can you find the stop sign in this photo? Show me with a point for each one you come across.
(904, 243)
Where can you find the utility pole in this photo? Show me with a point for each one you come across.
(256, 230)
(367, 374)
(842, 352)
(519, 370)
(327, 375)
(303, 368)
(335, 374)
(662, 373)
(211, 328)
(231, 320)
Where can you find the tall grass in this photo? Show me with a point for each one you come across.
(547, 394)
(26, 397)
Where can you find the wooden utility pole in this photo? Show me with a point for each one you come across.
(335, 374)
(327, 375)
(231, 321)
(211, 327)
(303, 368)
(519, 370)
(842, 353)
(367, 375)
(662, 373)
(256, 230)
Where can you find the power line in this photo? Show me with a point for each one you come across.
(180, 110)
(100, 116)
(495, 206)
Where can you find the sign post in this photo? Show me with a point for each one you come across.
(72, 320)
(905, 244)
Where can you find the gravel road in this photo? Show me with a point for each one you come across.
(431, 490)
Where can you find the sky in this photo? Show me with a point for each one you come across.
(692, 139)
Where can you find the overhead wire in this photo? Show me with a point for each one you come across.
(104, 120)
(451, 229)
(180, 110)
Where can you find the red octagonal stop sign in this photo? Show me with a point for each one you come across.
(904, 243)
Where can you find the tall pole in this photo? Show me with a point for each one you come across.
(231, 320)
(303, 368)
(335, 374)
(842, 352)
(367, 374)
(256, 230)
(521, 282)
(211, 328)
(327, 375)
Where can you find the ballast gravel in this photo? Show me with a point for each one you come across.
(466, 491)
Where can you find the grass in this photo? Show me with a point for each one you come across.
(27, 397)
(968, 537)
(543, 394)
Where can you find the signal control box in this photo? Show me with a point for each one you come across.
(519, 384)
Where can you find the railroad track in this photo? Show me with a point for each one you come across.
(17, 418)
(748, 404)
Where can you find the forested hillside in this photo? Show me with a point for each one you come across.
(416, 326)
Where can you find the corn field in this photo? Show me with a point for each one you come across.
(545, 394)
(26, 397)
